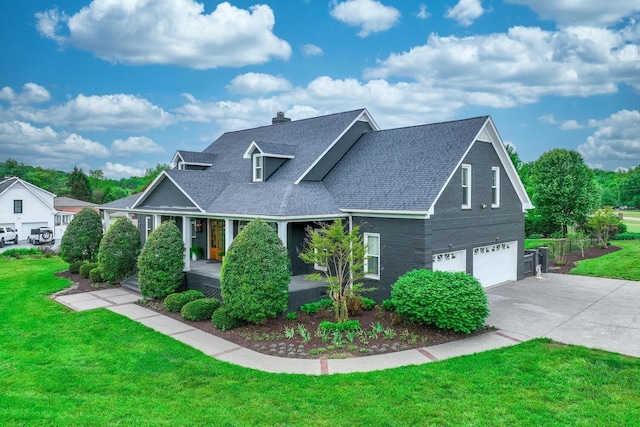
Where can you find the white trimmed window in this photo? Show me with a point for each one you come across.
(372, 256)
(495, 187)
(257, 167)
(148, 226)
(466, 186)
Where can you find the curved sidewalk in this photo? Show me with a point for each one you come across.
(123, 302)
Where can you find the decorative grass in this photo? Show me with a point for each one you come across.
(59, 367)
(622, 264)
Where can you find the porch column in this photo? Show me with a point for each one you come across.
(228, 233)
(107, 219)
(156, 221)
(282, 232)
(186, 238)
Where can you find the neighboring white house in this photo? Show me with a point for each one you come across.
(66, 208)
(24, 206)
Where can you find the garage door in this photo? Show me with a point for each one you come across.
(27, 226)
(495, 264)
(450, 261)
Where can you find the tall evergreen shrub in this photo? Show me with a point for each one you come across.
(161, 262)
(82, 237)
(119, 250)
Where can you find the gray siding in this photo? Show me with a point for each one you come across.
(402, 249)
(476, 226)
(167, 195)
(270, 165)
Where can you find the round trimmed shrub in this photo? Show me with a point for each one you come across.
(200, 309)
(119, 250)
(454, 301)
(255, 275)
(82, 237)
(161, 262)
(86, 268)
(175, 302)
(223, 320)
(74, 267)
(95, 275)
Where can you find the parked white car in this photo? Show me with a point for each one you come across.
(41, 236)
(8, 234)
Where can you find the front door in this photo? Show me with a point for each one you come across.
(216, 249)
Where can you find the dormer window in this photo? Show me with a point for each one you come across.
(257, 167)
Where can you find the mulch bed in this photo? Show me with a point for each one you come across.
(269, 338)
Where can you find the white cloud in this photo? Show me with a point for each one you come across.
(520, 66)
(95, 112)
(118, 170)
(311, 50)
(136, 144)
(565, 125)
(548, 118)
(617, 138)
(570, 125)
(370, 15)
(583, 12)
(465, 12)
(423, 13)
(31, 94)
(258, 83)
(78, 144)
(176, 32)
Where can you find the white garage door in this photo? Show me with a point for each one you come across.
(495, 264)
(27, 226)
(450, 261)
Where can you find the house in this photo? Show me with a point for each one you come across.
(67, 208)
(442, 196)
(24, 206)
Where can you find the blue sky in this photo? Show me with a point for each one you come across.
(120, 85)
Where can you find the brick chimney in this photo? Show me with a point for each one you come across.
(280, 118)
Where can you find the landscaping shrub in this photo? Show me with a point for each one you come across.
(200, 309)
(82, 237)
(354, 305)
(454, 301)
(388, 305)
(119, 250)
(20, 252)
(255, 275)
(175, 302)
(86, 268)
(223, 320)
(348, 325)
(161, 262)
(626, 236)
(74, 267)
(95, 275)
(368, 303)
(314, 307)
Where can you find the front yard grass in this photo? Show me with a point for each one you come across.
(59, 367)
(623, 264)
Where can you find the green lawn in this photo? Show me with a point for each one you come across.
(623, 264)
(630, 214)
(59, 367)
(535, 243)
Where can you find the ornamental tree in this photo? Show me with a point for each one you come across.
(81, 240)
(340, 255)
(161, 262)
(255, 275)
(119, 250)
(604, 222)
(565, 192)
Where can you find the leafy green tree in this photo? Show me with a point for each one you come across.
(255, 274)
(119, 250)
(565, 192)
(630, 188)
(514, 156)
(81, 240)
(340, 254)
(604, 222)
(79, 184)
(161, 262)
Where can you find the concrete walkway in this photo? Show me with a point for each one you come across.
(122, 301)
(593, 312)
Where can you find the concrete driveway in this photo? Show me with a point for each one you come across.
(588, 311)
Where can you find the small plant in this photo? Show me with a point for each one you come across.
(289, 332)
(95, 275)
(313, 351)
(372, 334)
(349, 325)
(314, 307)
(338, 340)
(413, 338)
(223, 320)
(321, 350)
(292, 315)
(304, 333)
(200, 309)
(377, 326)
(368, 303)
(363, 337)
(364, 350)
(404, 335)
(86, 268)
(352, 348)
(351, 335)
(331, 347)
(389, 305)
(74, 266)
(389, 334)
(324, 335)
(174, 302)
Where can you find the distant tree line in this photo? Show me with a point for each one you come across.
(92, 187)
